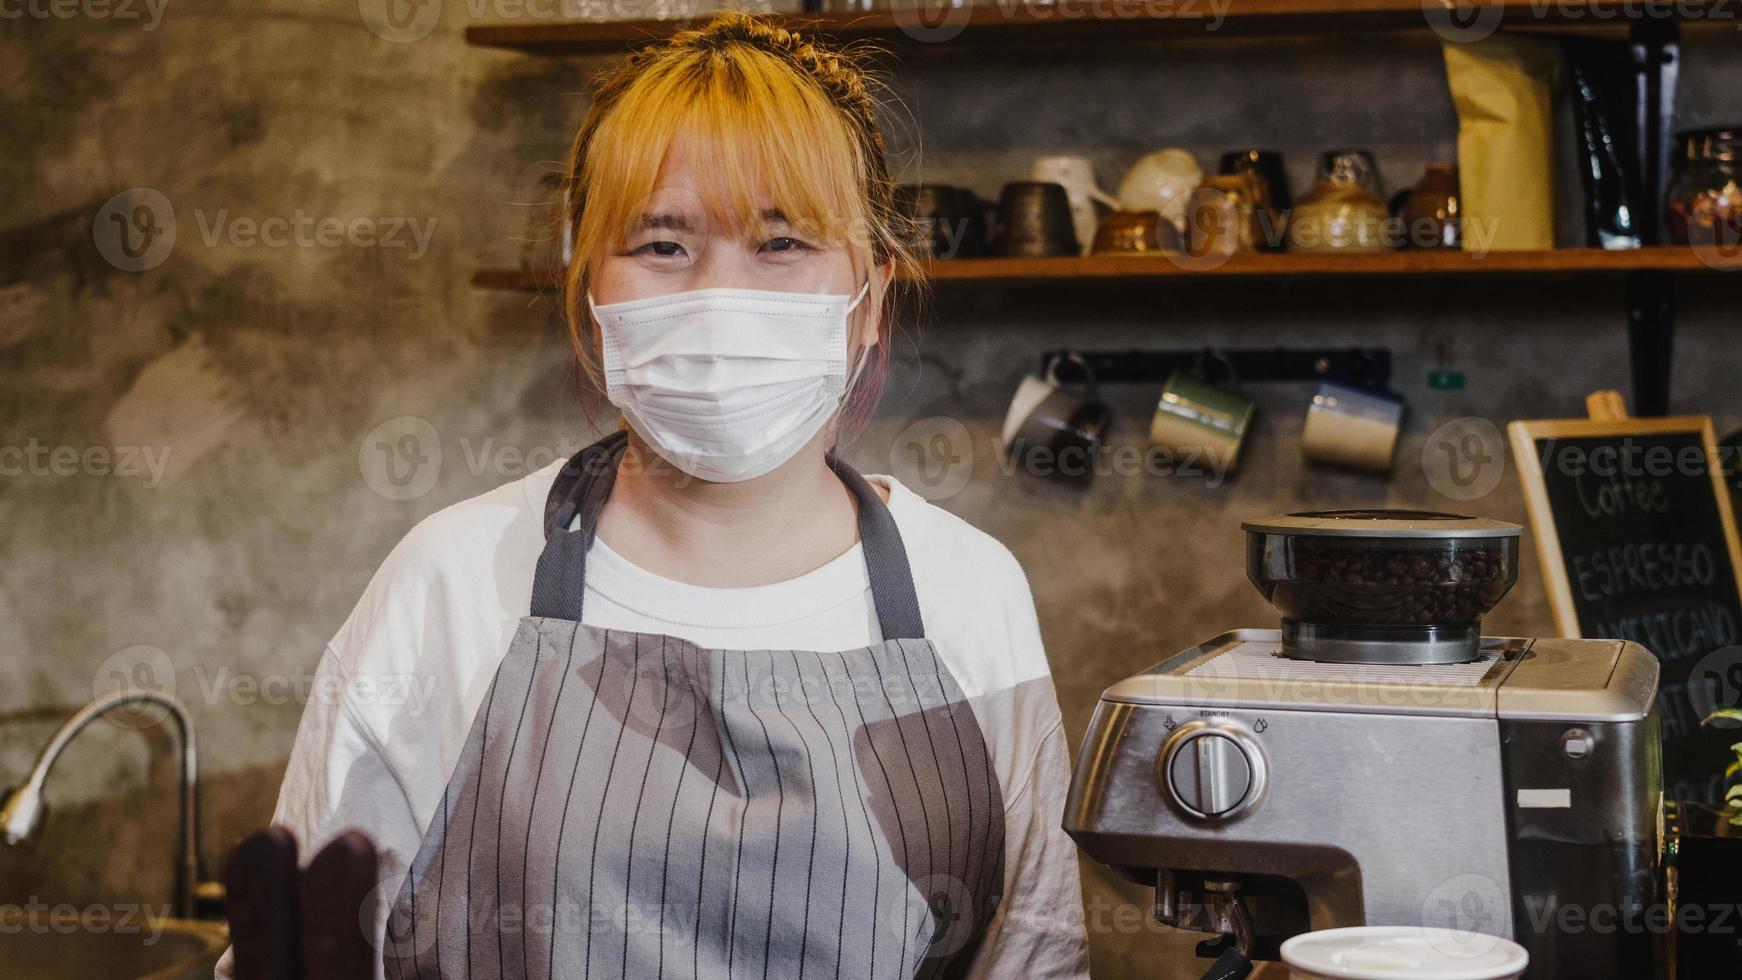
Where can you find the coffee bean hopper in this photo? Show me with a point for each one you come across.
(1382, 586)
(1378, 762)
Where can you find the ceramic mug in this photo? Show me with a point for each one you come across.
(1077, 176)
(948, 222)
(1065, 426)
(1430, 211)
(1403, 953)
(1136, 233)
(1161, 181)
(1034, 219)
(1223, 217)
(1202, 423)
(1352, 427)
(1271, 195)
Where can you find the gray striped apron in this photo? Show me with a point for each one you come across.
(633, 805)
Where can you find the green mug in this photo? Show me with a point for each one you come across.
(1200, 421)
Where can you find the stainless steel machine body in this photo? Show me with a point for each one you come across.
(1272, 796)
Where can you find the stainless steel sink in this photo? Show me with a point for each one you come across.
(39, 947)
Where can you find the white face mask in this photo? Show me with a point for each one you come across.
(727, 384)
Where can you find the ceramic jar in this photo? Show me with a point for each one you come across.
(1430, 213)
(1344, 213)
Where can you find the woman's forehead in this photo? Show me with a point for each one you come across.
(706, 175)
(683, 188)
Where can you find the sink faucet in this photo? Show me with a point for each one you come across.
(23, 809)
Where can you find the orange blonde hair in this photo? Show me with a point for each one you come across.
(766, 109)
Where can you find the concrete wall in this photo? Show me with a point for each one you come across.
(240, 388)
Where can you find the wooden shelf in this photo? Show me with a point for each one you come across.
(1077, 22)
(1273, 265)
(1016, 271)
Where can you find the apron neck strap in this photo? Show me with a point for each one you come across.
(584, 484)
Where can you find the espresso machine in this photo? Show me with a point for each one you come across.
(1377, 761)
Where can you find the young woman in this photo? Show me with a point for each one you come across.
(703, 701)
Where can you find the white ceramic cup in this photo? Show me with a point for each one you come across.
(1078, 177)
(1402, 953)
(1161, 181)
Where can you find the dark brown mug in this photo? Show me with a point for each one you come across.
(948, 222)
(1034, 219)
(1270, 182)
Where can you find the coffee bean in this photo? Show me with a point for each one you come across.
(1335, 584)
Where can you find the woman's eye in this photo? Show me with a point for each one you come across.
(662, 249)
(785, 243)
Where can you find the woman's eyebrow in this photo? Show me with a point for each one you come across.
(674, 221)
(666, 221)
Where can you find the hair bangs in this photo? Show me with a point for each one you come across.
(763, 140)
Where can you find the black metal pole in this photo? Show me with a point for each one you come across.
(1651, 338)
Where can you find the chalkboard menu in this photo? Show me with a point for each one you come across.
(1633, 526)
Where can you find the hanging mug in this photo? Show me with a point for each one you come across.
(1352, 427)
(1057, 429)
(1203, 423)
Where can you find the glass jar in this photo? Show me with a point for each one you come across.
(1705, 194)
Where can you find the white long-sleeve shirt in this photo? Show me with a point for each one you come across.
(399, 684)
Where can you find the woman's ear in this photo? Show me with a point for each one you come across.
(871, 323)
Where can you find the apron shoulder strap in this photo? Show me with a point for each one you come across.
(584, 483)
(580, 490)
(886, 561)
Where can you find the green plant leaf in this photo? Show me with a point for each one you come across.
(1728, 714)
